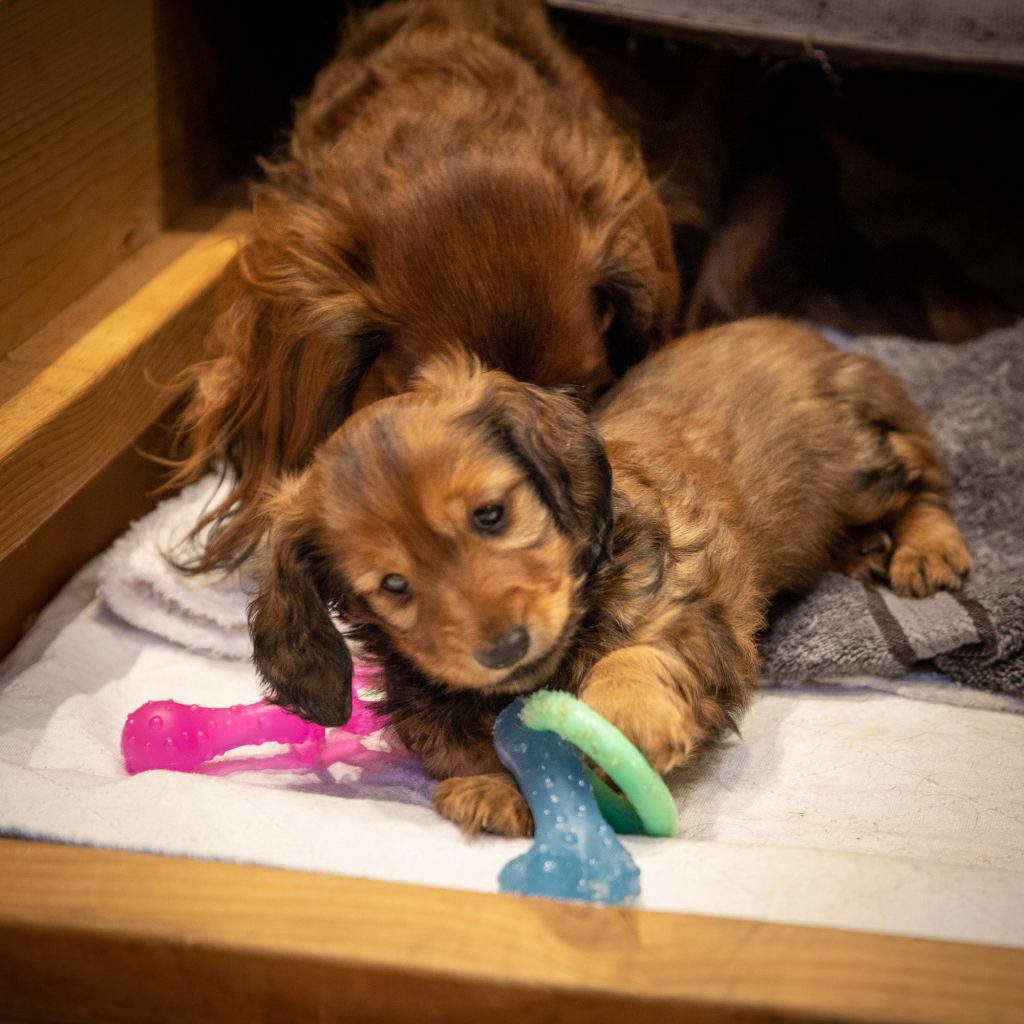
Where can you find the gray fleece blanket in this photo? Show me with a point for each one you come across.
(974, 396)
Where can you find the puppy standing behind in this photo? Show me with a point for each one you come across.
(479, 544)
(452, 179)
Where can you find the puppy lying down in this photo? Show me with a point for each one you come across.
(482, 538)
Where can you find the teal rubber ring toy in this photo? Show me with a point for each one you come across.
(648, 807)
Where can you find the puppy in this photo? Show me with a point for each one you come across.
(452, 178)
(483, 537)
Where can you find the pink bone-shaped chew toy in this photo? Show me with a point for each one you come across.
(181, 737)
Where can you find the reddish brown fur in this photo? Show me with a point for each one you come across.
(747, 461)
(452, 179)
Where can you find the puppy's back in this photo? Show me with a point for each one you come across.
(762, 417)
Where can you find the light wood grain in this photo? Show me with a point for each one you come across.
(35, 571)
(76, 393)
(129, 937)
(79, 150)
(108, 111)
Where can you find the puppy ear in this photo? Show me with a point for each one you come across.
(639, 283)
(299, 653)
(550, 437)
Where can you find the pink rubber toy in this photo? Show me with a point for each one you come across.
(183, 737)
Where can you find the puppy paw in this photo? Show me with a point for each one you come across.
(656, 720)
(864, 554)
(920, 568)
(484, 803)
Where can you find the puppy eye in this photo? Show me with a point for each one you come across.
(394, 584)
(487, 518)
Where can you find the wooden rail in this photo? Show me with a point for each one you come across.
(85, 386)
(101, 935)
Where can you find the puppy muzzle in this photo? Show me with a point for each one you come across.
(507, 650)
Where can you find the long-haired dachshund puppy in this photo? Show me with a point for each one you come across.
(452, 179)
(482, 538)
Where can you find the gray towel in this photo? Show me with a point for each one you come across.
(974, 396)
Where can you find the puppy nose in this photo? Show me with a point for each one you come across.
(506, 650)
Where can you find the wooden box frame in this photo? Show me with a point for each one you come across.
(90, 358)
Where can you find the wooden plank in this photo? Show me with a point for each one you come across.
(75, 394)
(36, 570)
(87, 934)
(79, 151)
(108, 131)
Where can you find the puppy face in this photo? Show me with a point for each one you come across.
(447, 545)
(456, 523)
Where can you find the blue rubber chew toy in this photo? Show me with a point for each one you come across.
(575, 853)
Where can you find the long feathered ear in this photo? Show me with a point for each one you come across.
(299, 653)
(639, 282)
(294, 335)
(626, 242)
(555, 442)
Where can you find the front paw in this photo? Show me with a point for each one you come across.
(657, 721)
(484, 803)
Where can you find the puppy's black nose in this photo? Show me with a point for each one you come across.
(506, 650)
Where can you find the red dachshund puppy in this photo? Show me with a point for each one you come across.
(482, 538)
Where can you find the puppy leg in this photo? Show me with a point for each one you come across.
(904, 491)
(929, 553)
(657, 700)
(928, 550)
(669, 705)
(485, 803)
